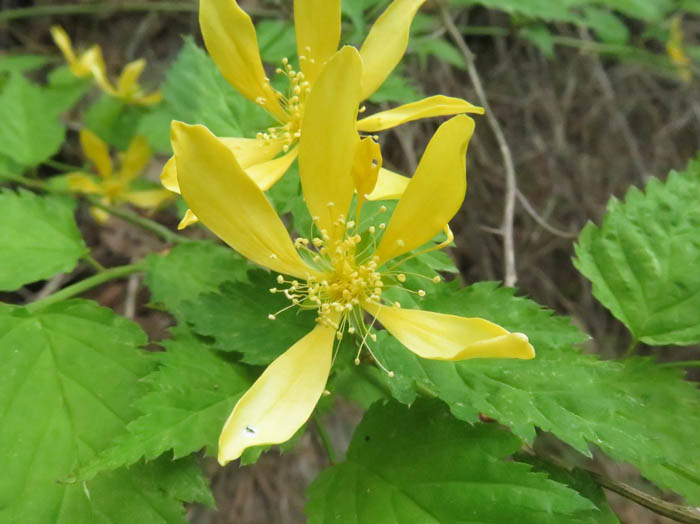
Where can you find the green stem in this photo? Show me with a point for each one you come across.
(675, 512)
(325, 439)
(681, 364)
(631, 347)
(86, 284)
(144, 223)
(94, 263)
(107, 8)
(86, 9)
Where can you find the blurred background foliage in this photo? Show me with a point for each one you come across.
(593, 96)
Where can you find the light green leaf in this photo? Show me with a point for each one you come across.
(38, 238)
(606, 25)
(114, 121)
(71, 373)
(643, 260)
(541, 37)
(276, 40)
(21, 63)
(396, 88)
(30, 132)
(195, 92)
(191, 269)
(418, 464)
(237, 318)
(635, 411)
(191, 394)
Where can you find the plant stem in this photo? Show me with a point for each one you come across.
(681, 364)
(631, 347)
(83, 285)
(85, 9)
(144, 223)
(94, 263)
(661, 507)
(149, 225)
(326, 440)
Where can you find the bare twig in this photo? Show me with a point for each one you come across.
(132, 289)
(510, 276)
(541, 221)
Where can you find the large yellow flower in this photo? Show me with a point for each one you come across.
(231, 40)
(91, 63)
(115, 187)
(341, 272)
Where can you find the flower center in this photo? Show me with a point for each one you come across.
(293, 103)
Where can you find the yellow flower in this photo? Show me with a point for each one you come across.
(91, 63)
(231, 40)
(340, 273)
(115, 186)
(674, 48)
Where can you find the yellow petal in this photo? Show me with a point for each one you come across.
(222, 196)
(89, 61)
(147, 100)
(250, 151)
(389, 186)
(329, 139)
(100, 215)
(317, 27)
(283, 397)
(148, 198)
(438, 105)
(448, 337)
(129, 77)
(100, 75)
(231, 40)
(386, 43)
(96, 151)
(266, 174)
(365, 169)
(189, 219)
(135, 158)
(434, 194)
(62, 40)
(168, 177)
(83, 183)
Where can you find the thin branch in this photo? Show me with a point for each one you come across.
(541, 221)
(86, 284)
(510, 276)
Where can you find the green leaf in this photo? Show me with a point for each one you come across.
(643, 260)
(635, 411)
(114, 121)
(191, 394)
(65, 89)
(21, 63)
(578, 480)
(71, 373)
(38, 238)
(541, 37)
(606, 25)
(276, 40)
(396, 88)
(237, 318)
(418, 464)
(195, 92)
(30, 132)
(189, 270)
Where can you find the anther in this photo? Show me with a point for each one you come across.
(421, 293)
(357, 361)
(271, 316)
(436, 279)
(280, 279)
(401, 277)
(391, 374)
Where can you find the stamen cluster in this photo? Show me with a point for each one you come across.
(293, 104)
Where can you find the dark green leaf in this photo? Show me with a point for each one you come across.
(192, 393)
(38, 238)
(418, 464)
(635, 411)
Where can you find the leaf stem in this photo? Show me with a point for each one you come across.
(326, 440)
(676, 512)
(144, 223)
(94, 263)
(631, 347)
(83, 285)
(681, 364)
